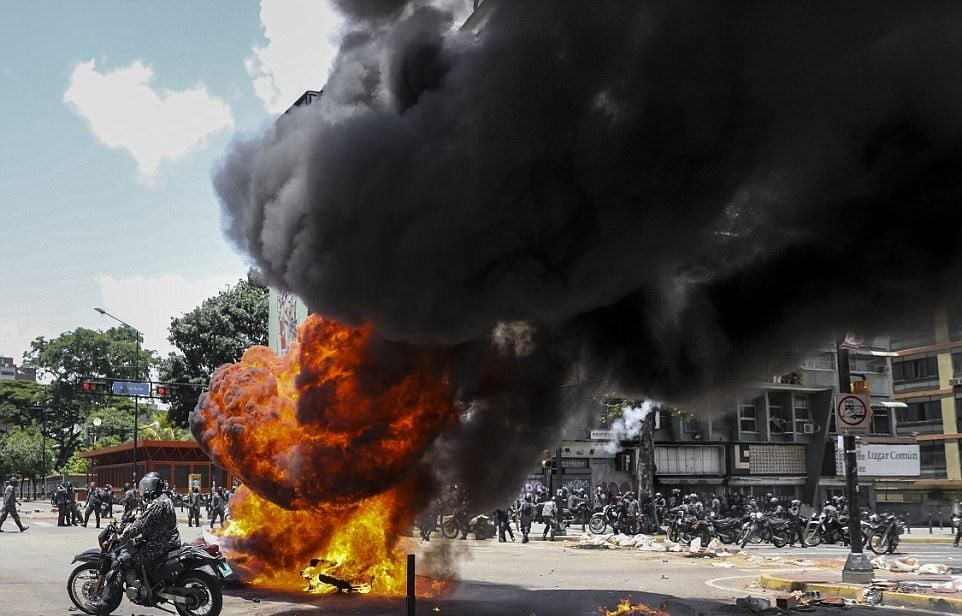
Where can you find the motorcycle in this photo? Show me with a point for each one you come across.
(482, 526)
(831, 529)
(581, 514)
(759, 526)
(610, 515)
(684, 528)
(885, 536)
(189, 577)
(727, 529)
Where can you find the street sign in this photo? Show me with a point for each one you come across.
(131, 388)
(853, 413)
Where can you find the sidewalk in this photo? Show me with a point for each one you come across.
(920, 534)
(829, 584)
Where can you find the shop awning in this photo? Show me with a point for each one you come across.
(889, 404)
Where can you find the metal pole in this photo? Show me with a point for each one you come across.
(858, 569)
(136, 406)
(410, 583)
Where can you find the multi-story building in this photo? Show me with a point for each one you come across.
(776, 436)
(9, 371)
(927, 375)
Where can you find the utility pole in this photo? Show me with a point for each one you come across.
(858, 569)
(645, 465)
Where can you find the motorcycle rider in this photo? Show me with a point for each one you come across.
(150, 537)
(600, 499)
(93, 504)
(193, 507)
(108, 500)
(794, 514)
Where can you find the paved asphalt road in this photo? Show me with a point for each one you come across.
(540, 578)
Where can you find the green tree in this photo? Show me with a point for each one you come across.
(25, 453)
(215, 333)
(18, 400)
(60, 408)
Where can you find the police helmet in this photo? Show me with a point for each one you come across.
(773, 501)
(152, 485)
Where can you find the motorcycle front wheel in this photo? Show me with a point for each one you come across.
(83, 589)
(813, 538)
(205, 598)
(449, 528)
(597, 524)
(879, 542)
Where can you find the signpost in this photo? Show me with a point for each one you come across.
(131, 388)
(853, 413)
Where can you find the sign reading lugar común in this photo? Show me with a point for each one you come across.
(882, 460)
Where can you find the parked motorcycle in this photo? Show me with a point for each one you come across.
(684, 528)
(482, 526)
(831, 529)
(728, 529)
(885, 535)
(610, 515)
(761, 527)
(188, 577)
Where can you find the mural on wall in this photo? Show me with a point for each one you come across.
(577, 484)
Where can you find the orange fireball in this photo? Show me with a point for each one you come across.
(327, 440)
(342, 417)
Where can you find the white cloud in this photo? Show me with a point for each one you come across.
(302, 40)
(149, 303)
(125, 111)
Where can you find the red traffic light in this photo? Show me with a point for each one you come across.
(162, 391)
(93, 387)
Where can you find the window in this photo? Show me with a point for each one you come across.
(932, 457)
(822, 361)
(929, 410)
(881, 422)
(921, 335)
(866, 364)
(957, 363)
(747, 417)
(955, 323)
(181, 476)
(803, 414)
(915, 369)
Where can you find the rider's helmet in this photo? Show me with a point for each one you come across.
(693, 496)
(152, 485)
(686, 499)
(676, 492)
(773, 501)
(796, 502)
(658, 495)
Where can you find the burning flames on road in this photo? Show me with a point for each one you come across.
(627, 608)
(328, 440)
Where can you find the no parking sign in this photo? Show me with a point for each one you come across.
(853, 413)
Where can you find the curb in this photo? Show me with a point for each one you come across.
(910, 539)
(935, 603)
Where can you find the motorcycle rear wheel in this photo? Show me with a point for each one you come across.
(213, 599)
(450, 529)
(82, 590)
(672, 534)
(779, 538)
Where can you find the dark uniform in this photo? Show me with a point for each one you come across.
(156, 533)
(130, 500)
(217, 504)
(193, 508)
(62, 501)
(93, 504)
(503, 518)
(10, 508)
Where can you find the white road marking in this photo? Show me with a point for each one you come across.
(39, 523)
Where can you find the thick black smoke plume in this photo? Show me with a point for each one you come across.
(671, 195)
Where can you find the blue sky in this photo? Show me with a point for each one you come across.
(112, 115)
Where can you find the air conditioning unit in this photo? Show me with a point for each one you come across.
(956, 382)
(808, 428)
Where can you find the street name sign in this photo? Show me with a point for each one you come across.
(853, 413)
(131, 388)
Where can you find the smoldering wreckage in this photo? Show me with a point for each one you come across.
(496, 222)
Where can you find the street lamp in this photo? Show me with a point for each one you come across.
(136, 376)
(96, 422)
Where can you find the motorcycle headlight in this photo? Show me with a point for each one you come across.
(759, 515)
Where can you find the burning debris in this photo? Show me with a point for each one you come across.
(627, 608)
(319, 581)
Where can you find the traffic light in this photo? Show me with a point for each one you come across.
(546, 459)
(163, 391)
(94, 386)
